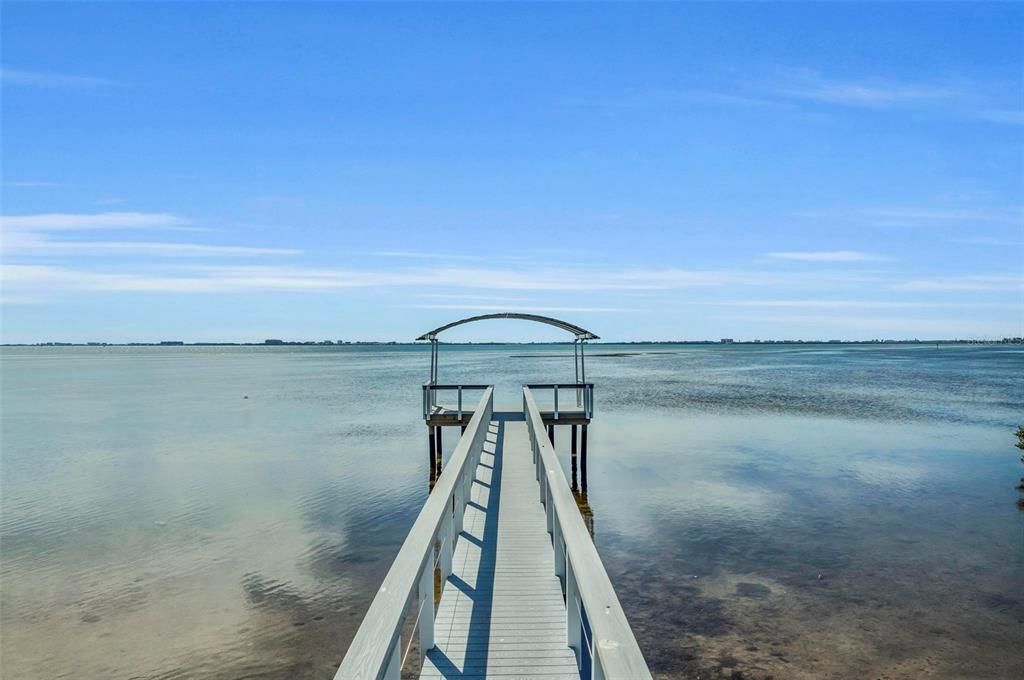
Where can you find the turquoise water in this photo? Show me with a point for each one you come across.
(792, 511)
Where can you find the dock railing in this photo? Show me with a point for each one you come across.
(430, 396)
(597, 628)
(583, 397)
(376, 652)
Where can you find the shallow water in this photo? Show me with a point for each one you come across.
(793, 511)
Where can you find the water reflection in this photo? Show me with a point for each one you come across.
(765, 511)
(585, 510)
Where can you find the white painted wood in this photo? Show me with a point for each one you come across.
(574, 633)
(504, 557)
(371, 654)
(616, 653)
(394, 669)
(425, 593)
(501, 612)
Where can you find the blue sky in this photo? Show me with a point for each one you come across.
(684, 171)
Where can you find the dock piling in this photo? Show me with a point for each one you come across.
(583, 456)
(432, 445)
(439, 449)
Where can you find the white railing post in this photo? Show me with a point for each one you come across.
(394, 669)
(574, 629)
(460, 403)
(459, 509)
(445, 563)
(556, 402)
(558, 545)
(426, 608)
(549, 506)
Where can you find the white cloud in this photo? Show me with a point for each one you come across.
(964, 283)
(233, 278)
(472, 298)
(54, 80)
(35, 235)
(808, 84)
(80, 221)
(842, 304)
(829, 256)
(529, 308)
(424, 255)
(898, 326)
(1008, 116)
(29, 184)
(990, 241)
(45, 247)
(915, 216)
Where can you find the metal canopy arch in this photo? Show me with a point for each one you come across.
(580, 333)
(579, 360)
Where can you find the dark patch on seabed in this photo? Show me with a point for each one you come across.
(855, 618)
(752, 590)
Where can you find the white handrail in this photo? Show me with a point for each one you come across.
(375, 652)
(615, 653)
(584, 395)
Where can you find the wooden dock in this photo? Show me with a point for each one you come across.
(523, 591)
(501, 610)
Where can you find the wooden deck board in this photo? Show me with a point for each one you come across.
(501, 612)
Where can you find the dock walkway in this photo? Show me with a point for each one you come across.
(501, 611)
(523, 591)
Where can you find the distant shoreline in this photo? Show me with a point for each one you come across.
(332, 343)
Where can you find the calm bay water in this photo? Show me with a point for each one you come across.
(792, 511)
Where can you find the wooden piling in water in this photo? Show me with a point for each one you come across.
(440, 450)
(583, 454)
(432, 445)
(573, 449)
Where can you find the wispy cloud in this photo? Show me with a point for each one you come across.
(45, 235)
(964, 283)
(29, 184)
(46, 247)
(84, 221)
(800, 88)
(829, 256)
(422, 255)
(897, 326)
(919, 216)
(529, 308)
(808, 84)
(990, 241)
(665, 97)
(444, 256)
(915, 217)
(13, 77)
(843, 304)
(1008, 116)
(464, 297)
(238, 278)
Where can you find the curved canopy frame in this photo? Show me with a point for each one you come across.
(580, 333)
